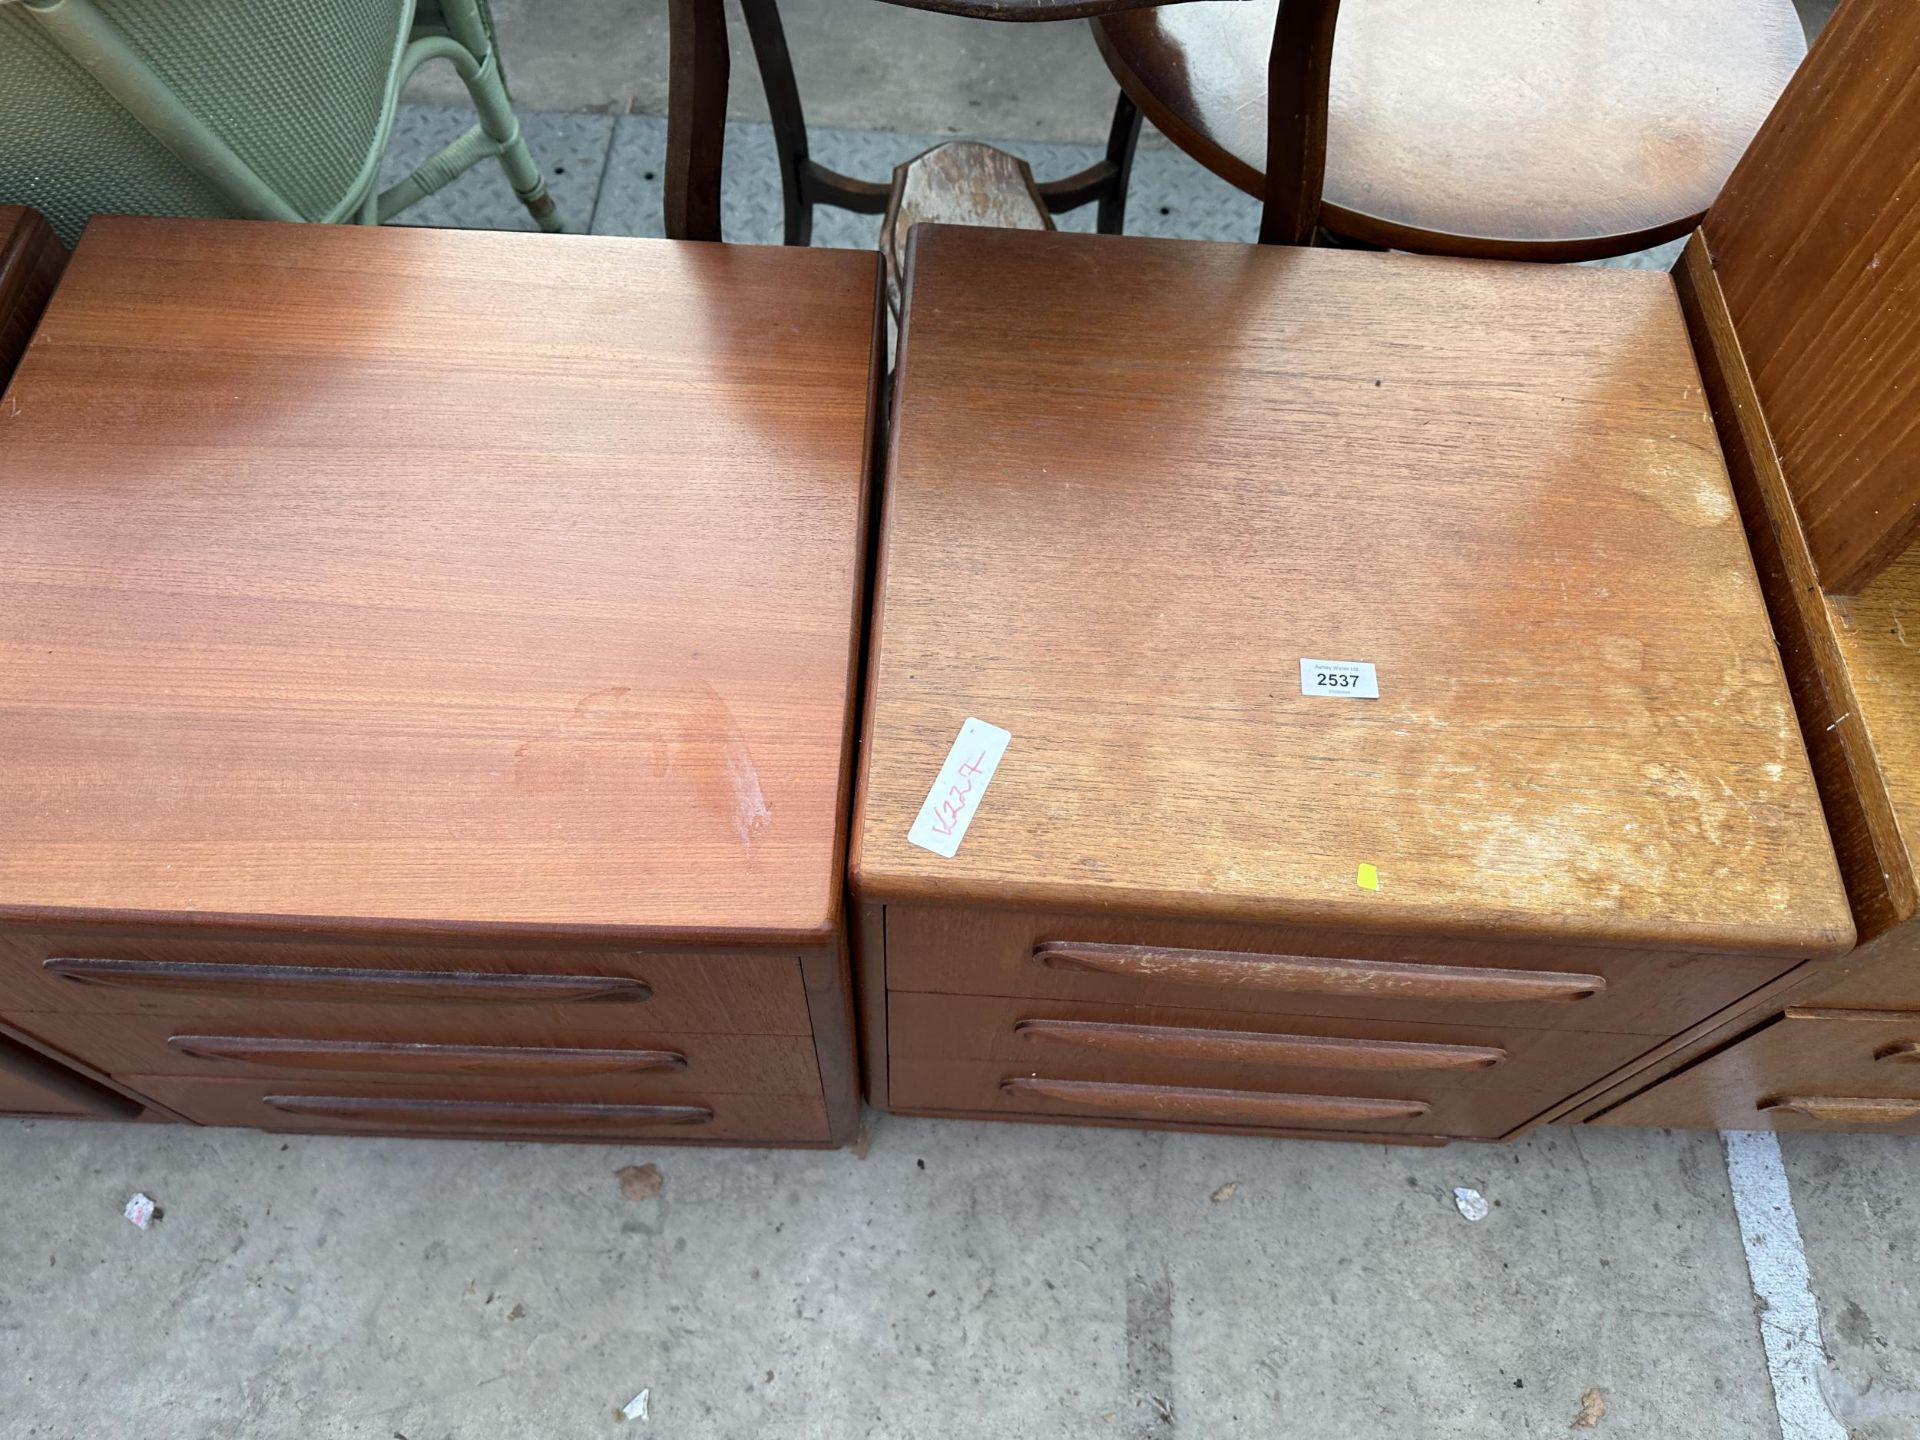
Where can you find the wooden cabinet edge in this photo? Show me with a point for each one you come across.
(827, 979)
(1255, 1132)
(870, 955)
(104, 1097)
(1669, 1057)
(1864, 837)
(30, 268)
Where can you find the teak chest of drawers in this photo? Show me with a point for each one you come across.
(1133, 486)
(426, 669)
(1803, 291)
(1839, 1047)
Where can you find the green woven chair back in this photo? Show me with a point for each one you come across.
(70, 151)
(297, 89)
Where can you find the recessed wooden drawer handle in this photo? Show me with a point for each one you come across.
(1845, 1109)
(397, 1113)
(1904, 1052)
(1252, 1047)
(1314, 975)
(1174, 1102)
(314, 982)
(387, 1057)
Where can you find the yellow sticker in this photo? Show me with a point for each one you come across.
(1368, 878)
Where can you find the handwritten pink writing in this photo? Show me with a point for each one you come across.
(948, 812)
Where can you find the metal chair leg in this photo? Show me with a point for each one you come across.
(770, 53)
(1122, 140)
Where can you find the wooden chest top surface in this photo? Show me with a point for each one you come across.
(1133, 484)
(424, 579)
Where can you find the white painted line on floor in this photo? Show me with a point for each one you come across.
(1777, 1263)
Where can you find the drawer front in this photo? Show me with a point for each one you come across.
(1368, 1080)
(583, 1111)
(739, 994)
(1809, 1070)
(22, 1097)
(983, 1087)
(1470, 1082)
(1231, 968)
(319, 1041)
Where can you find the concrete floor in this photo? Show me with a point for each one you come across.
(960, 1281)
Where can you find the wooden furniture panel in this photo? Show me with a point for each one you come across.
(347, 1041)
(1476, 1079)
(32, 1083)
(346, 699)
(1134, 488)
(428, 662)
(580, 1110)
(1812, 1069)
(1799, 295)
(1505, 128)
(1516, 509)
(1813, 247)
(31, 258)
(22, 1097)
(993, 1088)
(745, 993)
(1309, 972)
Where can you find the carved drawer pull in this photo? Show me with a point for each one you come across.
(1314, 975)
(1845, 1109)
(318, 982)
(1201, 1107)
(398, 1114)
(1251, 1047)
(392, 1057)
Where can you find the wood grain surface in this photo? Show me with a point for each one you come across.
(1455, 1107)
(751, 993)
(20, 1095)
(1133, 483)
(31, 259)
(962, 1038)
(376, 579)
(330, 1041)
(475, 1108)
(967, 950)
(1179, 1102)
(1851, 661)
(1551, 129)
(1848, 663)
(1812, 1068)
(31, 1083)
(1814, 245)
(959, 183)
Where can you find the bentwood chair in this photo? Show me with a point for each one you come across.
(1512, 129)
(1518, 129)
(240, 109)
(697, 107)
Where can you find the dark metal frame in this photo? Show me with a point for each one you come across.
(805, 182)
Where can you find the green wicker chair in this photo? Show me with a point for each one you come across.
(260, 109)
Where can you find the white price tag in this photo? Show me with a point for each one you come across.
(950, 804)
(1347, 679)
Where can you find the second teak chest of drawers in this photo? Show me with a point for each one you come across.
(426, 668)
(1142, 497)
